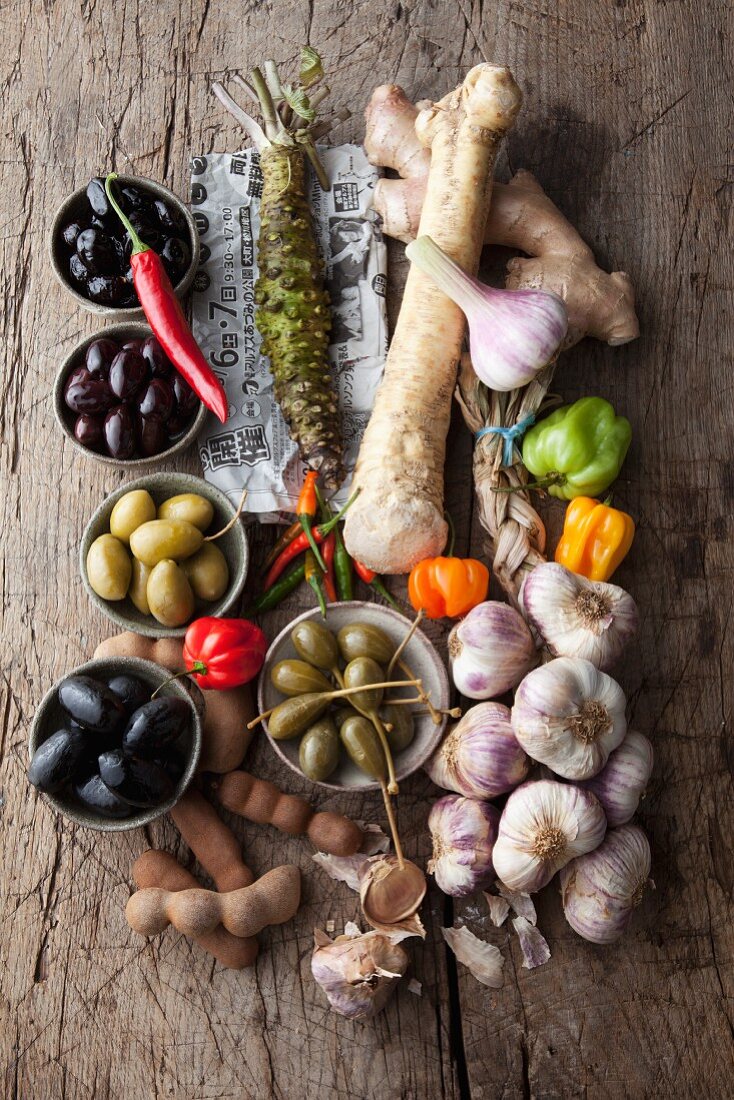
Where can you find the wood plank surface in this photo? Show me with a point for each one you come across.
(627, 123)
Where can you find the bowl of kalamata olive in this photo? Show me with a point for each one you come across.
(90, 248)
(119, 400)
(106, 754)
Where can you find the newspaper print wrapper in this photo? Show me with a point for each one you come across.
(253, 450)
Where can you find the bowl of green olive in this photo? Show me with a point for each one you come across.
(161, 551)
(358, 740)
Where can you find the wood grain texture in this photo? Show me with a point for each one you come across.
(627, 123)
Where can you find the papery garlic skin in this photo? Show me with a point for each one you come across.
(357, 973)
(577, 617)
(622, 782)
(544, 825)
(490, 650)
(600, 891)
(569, 715)
(464, 831)
(480, 757)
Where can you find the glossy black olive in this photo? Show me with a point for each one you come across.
(176, 256)
(100, 204)
(56, 760)
(70, 233)
(157, 360)
(87, 393)
(155, 725)
(174, 763)
(128, 372)
(153, 436)
(130, 690)
(95, 795)
(170, 218)
(186, 399)
(108, 290)
(156, 401)
(119, 432)
(88, 431)
(139, 782)
(134, 200)
(99, 356)
(78, 273)
(99, 252)
(146, 230)
(91, 704)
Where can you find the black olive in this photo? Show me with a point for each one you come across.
(108, 290)
(153, 436)
(170, 219)
(100, 355)
(176, 257)
(78, 272)
(136, 201)
(156, 358)
(139, 782)
(91, 704)
(56, 760)
(174, 763)
(70, 233)
(95, 795)
(130, 690)
(99, 252)
(99, 202)
(155, 725)
(146, 230)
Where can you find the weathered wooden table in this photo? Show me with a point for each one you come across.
(627, 123)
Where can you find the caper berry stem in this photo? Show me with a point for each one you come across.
(398, 652)
(392, 823)
(230, 525)
(341, 693)
(392, 783)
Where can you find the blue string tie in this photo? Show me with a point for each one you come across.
(510, 437)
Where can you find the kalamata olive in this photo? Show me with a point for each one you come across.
(129, 512)
(165, 538)
(95, 795)
(291, 677)
(359, 738)
(128, 372)
(88, 431)
(119, 432)
(107, 290)
(176, 257)
(155, 725)
(99, 252)
(315, 644)
(99, 356)
(70, 233)
(170, 218)
(133, 345)
(139, 782)
(87, 393)
(91, 704)
(100, 204)
(138, 590)
(293, 716)
(109, 568)
(192, 507)
(364, 671)
(130, 690)
(402, 729)
(186, 399)
(156, 400)
(152, 435)
(365, 640)
(55, 761)
(170, 598)
(78, 272)
(318, 753)
(158, 362)
(207, 572)
(177, 424)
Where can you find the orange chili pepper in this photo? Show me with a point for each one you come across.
(447, 587)
(306, 511)
(595, 539)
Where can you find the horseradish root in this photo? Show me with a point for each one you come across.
(398, 518)
(273, 899)
(212, 842)
(521, 216)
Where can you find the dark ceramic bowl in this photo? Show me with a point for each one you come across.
(233, 545)
(419, 654)
(75, 205)
(50, 716)
(66, 418)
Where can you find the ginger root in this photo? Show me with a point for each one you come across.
(521, 216)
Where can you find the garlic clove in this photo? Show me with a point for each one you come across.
(622, 782)
(601, 890)
(481, 756)
(358, 973)
(391, 894)
(577, 617)
(484, 960)
(533, 944)
(463, 831)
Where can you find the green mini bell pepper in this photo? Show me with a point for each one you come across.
(578, 450)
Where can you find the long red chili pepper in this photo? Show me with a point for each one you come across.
(166, 317)
(301, 543)
(328, 578)
(372, 579)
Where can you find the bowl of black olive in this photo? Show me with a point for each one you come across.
(90, 248)
(119, 399)
(109, 751)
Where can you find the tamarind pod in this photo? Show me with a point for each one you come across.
(272, 899)
(334, 833)
(160, 869)
(212, 842)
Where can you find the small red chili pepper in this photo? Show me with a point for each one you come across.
(329, 582)
(166, 317)
(314, 577)
(300, 543)
(285, 539)
(223, 653)
(373, 580)
(306, 512)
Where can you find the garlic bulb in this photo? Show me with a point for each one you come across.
(569, 716)
(480, 757)
(464, 831)
(544, 825)
(576, 617)
(357, 973)
(621, 783)
(490, 650)
(601, 890)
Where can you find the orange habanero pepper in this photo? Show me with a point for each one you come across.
(595, 539)
(447, 587)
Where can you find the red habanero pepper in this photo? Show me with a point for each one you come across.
(371, 578)
(329, 585)
(167, 320)
(223, 653)
(306, 512)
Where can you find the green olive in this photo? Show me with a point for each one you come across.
(318, 753)
(109, 568)
(316, 644)
(192, 507)
(364, 671)
(138, 587)
(291, 717)
(297, 678)
(359, 738)
(403, 729)
(207, 572)
(342, 713)
(131, 511)
(365, 640)
(165, 538)
(170, 598)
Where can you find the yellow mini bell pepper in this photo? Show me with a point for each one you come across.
(595, 539)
